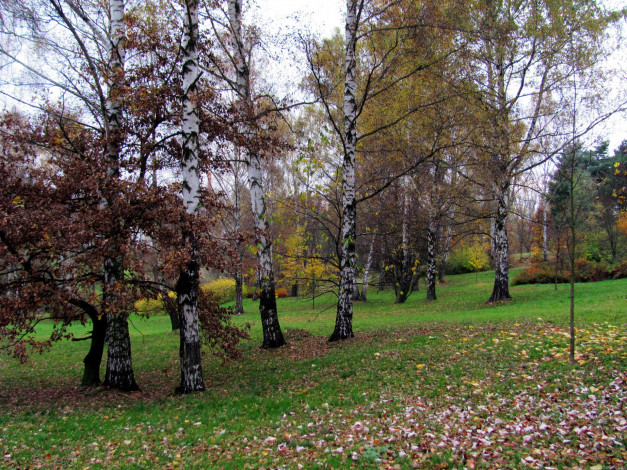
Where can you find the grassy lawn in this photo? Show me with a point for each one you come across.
(448, 384)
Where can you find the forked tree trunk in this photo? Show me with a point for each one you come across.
(500, 292)
(431, 259)
(272, 334)
(91, 372)
(187, 285)
(344, 317)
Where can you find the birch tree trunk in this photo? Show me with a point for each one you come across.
(344, 318)
(119, 372)
(272, 334)
(239, 275)
(187, 285)
(364, 288)
(406, 278)
(500, 291)
(446, 248)
(431, 258)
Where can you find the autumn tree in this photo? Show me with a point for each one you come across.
(521, 58)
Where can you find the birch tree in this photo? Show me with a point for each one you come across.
(521, 60)
(119, 372)
(240, 57)
(188, 282)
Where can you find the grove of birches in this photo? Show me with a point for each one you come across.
(151, 150)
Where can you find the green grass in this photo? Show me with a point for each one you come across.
(446, 384)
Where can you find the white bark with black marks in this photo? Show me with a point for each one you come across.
(364, 288)
(187, 285)
(344, 318)
(272, 334)
(500, 291)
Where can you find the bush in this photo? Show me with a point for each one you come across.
(540, 273)
(222, 290)
(150, 307)
(619, 271)
(585, 271)
(468, 259)
(280, 293)
(588, 271)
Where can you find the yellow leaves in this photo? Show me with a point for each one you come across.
(420, 366)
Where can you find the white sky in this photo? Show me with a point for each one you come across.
(321, 16)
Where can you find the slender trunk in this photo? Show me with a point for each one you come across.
(445, 252)
(382, 276)
(364, 288)
(239, 275)
(572, 300)
(91, 373)
(431, 259)
(573, 241)
(500, 291)
(344, 318)
(557, 257)
(272, 334)
(239, 294)
(545, 232)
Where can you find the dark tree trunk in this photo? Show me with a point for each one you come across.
(272, 334)
(239, 296)
(406, 280)
(355, 290)
(91, 373)
(119, 372)
(500, 291)
(174, 320)
(431, 260)
(189, 351)
(294, 292)
(442, 271)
